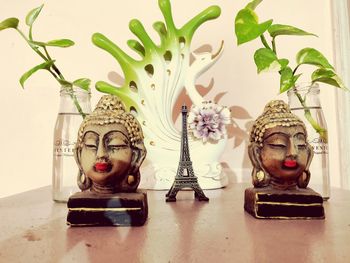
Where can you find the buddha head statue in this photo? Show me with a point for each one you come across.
(109, 149)
(278, 149)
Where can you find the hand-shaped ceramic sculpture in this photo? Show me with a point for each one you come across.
(109, 152)
(281, 158)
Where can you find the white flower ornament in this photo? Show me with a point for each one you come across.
(208, 121)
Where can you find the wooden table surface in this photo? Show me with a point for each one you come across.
(33, 229)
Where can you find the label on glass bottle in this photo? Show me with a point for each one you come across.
(63, 147)
(319, 145)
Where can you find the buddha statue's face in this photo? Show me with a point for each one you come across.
(285, 153)
(106, 154)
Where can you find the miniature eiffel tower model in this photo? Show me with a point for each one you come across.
(185, 180)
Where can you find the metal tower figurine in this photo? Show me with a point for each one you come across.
(185, 180)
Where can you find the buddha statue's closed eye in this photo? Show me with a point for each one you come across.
(281, 157)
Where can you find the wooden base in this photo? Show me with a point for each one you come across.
(268, 203)
(121, 209)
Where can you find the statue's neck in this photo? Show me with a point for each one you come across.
(283, 184)
(102, 189)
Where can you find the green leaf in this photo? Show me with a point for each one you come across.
(313, 57)
(9, 23)
(253, 4)
(287, 80)
(277, 29)
(46, 65)
(83, 83)
(327, 76)
(33, 14)
(283, 62)
(54, 43)
(60, 43)
(247, 27)
(266, 60)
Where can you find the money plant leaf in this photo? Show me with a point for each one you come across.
(247, 27)
(83, 83)
(9, 23)
(266, 60)
(46, 65)
(327, 76)
(33, 14)
(313, 57)
(253, 4)
(287, 80)
(277, 30)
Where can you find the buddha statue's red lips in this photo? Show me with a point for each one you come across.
(290, 163)
(102, 167)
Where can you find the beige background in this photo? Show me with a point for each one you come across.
(28, 116)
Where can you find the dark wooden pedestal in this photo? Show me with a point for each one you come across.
(121, 209)
(267, 203)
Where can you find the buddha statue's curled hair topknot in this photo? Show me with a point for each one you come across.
(276, 113)
(110, 110)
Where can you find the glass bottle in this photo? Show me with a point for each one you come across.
(309, 94)
(64, 167)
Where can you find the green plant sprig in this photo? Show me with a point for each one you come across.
(248, 28)
(41, 49)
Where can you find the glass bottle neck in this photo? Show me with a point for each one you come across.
(304, 96)
(71, 100)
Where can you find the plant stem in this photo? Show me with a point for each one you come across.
(263, 40)
(59, 75)
(53, 65)
(30, 32)
(76, 103)
(295, 70)
(36, 50)
(274, 46)
(307, 113)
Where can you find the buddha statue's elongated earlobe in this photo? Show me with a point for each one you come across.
(304, 179)
(132, 180)
(83, 181)
(139, 154)
(260, 177)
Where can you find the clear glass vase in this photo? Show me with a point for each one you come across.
(64, 168)
(304, 101)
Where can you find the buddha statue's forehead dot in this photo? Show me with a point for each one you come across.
(276, 114)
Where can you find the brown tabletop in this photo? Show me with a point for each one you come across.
(33, 229)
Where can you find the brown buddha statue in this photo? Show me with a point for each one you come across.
(279, 151)
(110, 149)
(281, 157)
(109, 152)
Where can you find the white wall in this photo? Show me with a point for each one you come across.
(28, 115)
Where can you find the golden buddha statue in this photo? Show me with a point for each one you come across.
(109, 152)
(281, 157)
